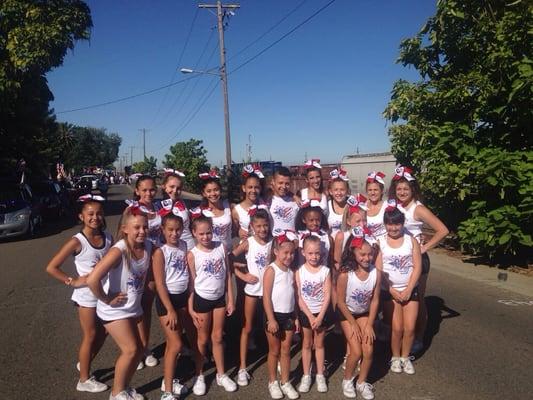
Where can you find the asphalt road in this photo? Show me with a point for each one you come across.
(477, 347)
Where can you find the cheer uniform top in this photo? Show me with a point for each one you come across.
(127, 279)
(256, 260)
(283, 211)
(244, 218)
(85, 261)
(176, 271)
(359, 293)
(154, 225)
(375, 223)
(210, 267)
(413, 226)
(324, 246)
(186, 234)
(282, 290)
(312, 285)
(397, 263)
(334, 220)
(222, 227)
(304, 193)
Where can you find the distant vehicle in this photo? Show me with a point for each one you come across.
(52, 198)
(19, 212)
(89, 181)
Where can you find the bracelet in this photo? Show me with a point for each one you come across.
(68, 282)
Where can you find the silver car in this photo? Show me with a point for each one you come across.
(18, 214)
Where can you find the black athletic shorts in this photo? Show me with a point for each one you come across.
(386, 296)
(178, 301)
(201, 305)
(425, 263)
(285, 321)
(304, 321)
(341, 316)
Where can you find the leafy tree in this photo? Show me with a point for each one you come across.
(190, 158)
(147, 166)
(34, 38)
(466, 125)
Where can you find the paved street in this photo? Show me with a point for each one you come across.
(480, 335)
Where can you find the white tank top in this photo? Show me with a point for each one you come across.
(210, 267)
(154, 227)
(324, 247)
(334, 220)
(222, 227)
(323, 199)
(127, 280)
(85, 261)
(256, 260)
(186, 235)
(282, 290)
(244, 218)
(283, 211)
(312, 287)
(176, 271)
(375, 223)
(359, 293)
(413, 226)
(397, 263)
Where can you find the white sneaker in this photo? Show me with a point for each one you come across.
(347, 389)
(91, 385)
(243, 377)
(417, 347)
(134, 395)
(168, 396)
(199, 385)
(396, 364)
(151, 361)
(124, 395)
(289, 391)
(177, 387)
(321, 385)
(366, 390)
(226, 382)
(305, 384)
(140, 365)
(275, 390)
(407, 366)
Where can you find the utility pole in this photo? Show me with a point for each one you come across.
(221, 13)
(131, 154)
(143, 130)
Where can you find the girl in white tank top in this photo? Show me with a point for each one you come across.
(311, 221)
(211, 298)
(123, 271)
(315, 187)
(358, 288)
(400, 262)
(314, 290)
(338, 188)
(257, 249)
(88, 247)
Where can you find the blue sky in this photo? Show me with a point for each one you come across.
(320, 91)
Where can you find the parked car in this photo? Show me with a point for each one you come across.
(90, 181)
(53, 200)
(19, 212)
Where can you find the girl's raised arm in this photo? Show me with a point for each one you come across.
(53, 268)
(424, 214)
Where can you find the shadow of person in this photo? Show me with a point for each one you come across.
(437, 312)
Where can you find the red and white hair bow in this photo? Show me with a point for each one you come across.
(310, 203)
(137, 208)
(313, 163)
(209, 175)
(403, 172)
(339, 174)
(283, 236)
(361, 235)
(376, 177)
(256, 207)
(391, 205)
(90, 197)
(199, 211)
(170, 171)
(356, 202)
(307, 233)
(167, 207)
(252, 169)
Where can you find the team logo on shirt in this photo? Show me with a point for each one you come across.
(313, 290)
(261, 260)
(135, 281)
(215, 268)
(336, 225)
(220, 231)
(402, 264)
(361, 297)
(284, 213)
(177, 262)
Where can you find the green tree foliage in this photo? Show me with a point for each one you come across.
(466, 125)
(190, 158)
(86, 146)
(147, 166)
(34, 38)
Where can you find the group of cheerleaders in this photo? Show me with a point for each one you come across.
(312, 260)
